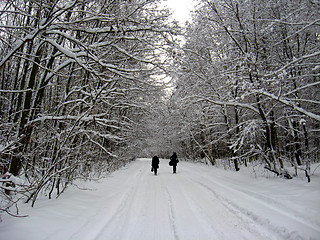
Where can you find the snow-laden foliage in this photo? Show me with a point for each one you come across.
(248, 85)
(75, 84)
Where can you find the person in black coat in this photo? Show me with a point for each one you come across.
(174, 161)
(155, 164)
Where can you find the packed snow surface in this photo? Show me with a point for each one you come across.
(198, 202)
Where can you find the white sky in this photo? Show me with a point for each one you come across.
(181, 9)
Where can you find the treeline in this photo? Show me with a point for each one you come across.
(248, 84)
(75, 86)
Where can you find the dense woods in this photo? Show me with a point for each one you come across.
(75, 87)
(248, 86)
(82, 90)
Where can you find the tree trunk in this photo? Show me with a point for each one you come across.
(297, 152)
(25, 131)
(25, 69)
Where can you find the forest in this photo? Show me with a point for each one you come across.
(85, 89)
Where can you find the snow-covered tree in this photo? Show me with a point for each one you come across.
(251, 67)
(75, 80)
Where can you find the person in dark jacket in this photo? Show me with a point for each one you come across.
(155, 165)
(174, 161)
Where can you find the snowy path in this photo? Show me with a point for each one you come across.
(196, 203)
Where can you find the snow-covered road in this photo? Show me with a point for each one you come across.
(198, 202)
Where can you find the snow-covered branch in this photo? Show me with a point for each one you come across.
(227, 103)
(292, 105)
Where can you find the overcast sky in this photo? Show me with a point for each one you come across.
(181, 8)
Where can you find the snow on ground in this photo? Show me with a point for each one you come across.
(199, 202)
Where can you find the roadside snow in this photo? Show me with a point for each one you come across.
(198, 202)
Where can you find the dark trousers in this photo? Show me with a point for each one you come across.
(174, 168)
(155, 171)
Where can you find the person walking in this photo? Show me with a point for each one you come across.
(155, 165)
(174, 161)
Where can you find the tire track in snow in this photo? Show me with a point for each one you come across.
(197, 203)
(172, 216)
(97, 229)
(120, 216)
(282, 208)
(255, 216)
(274, 205)
(141, 214)
(251, 218)
(111, 218)
(218, 222)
